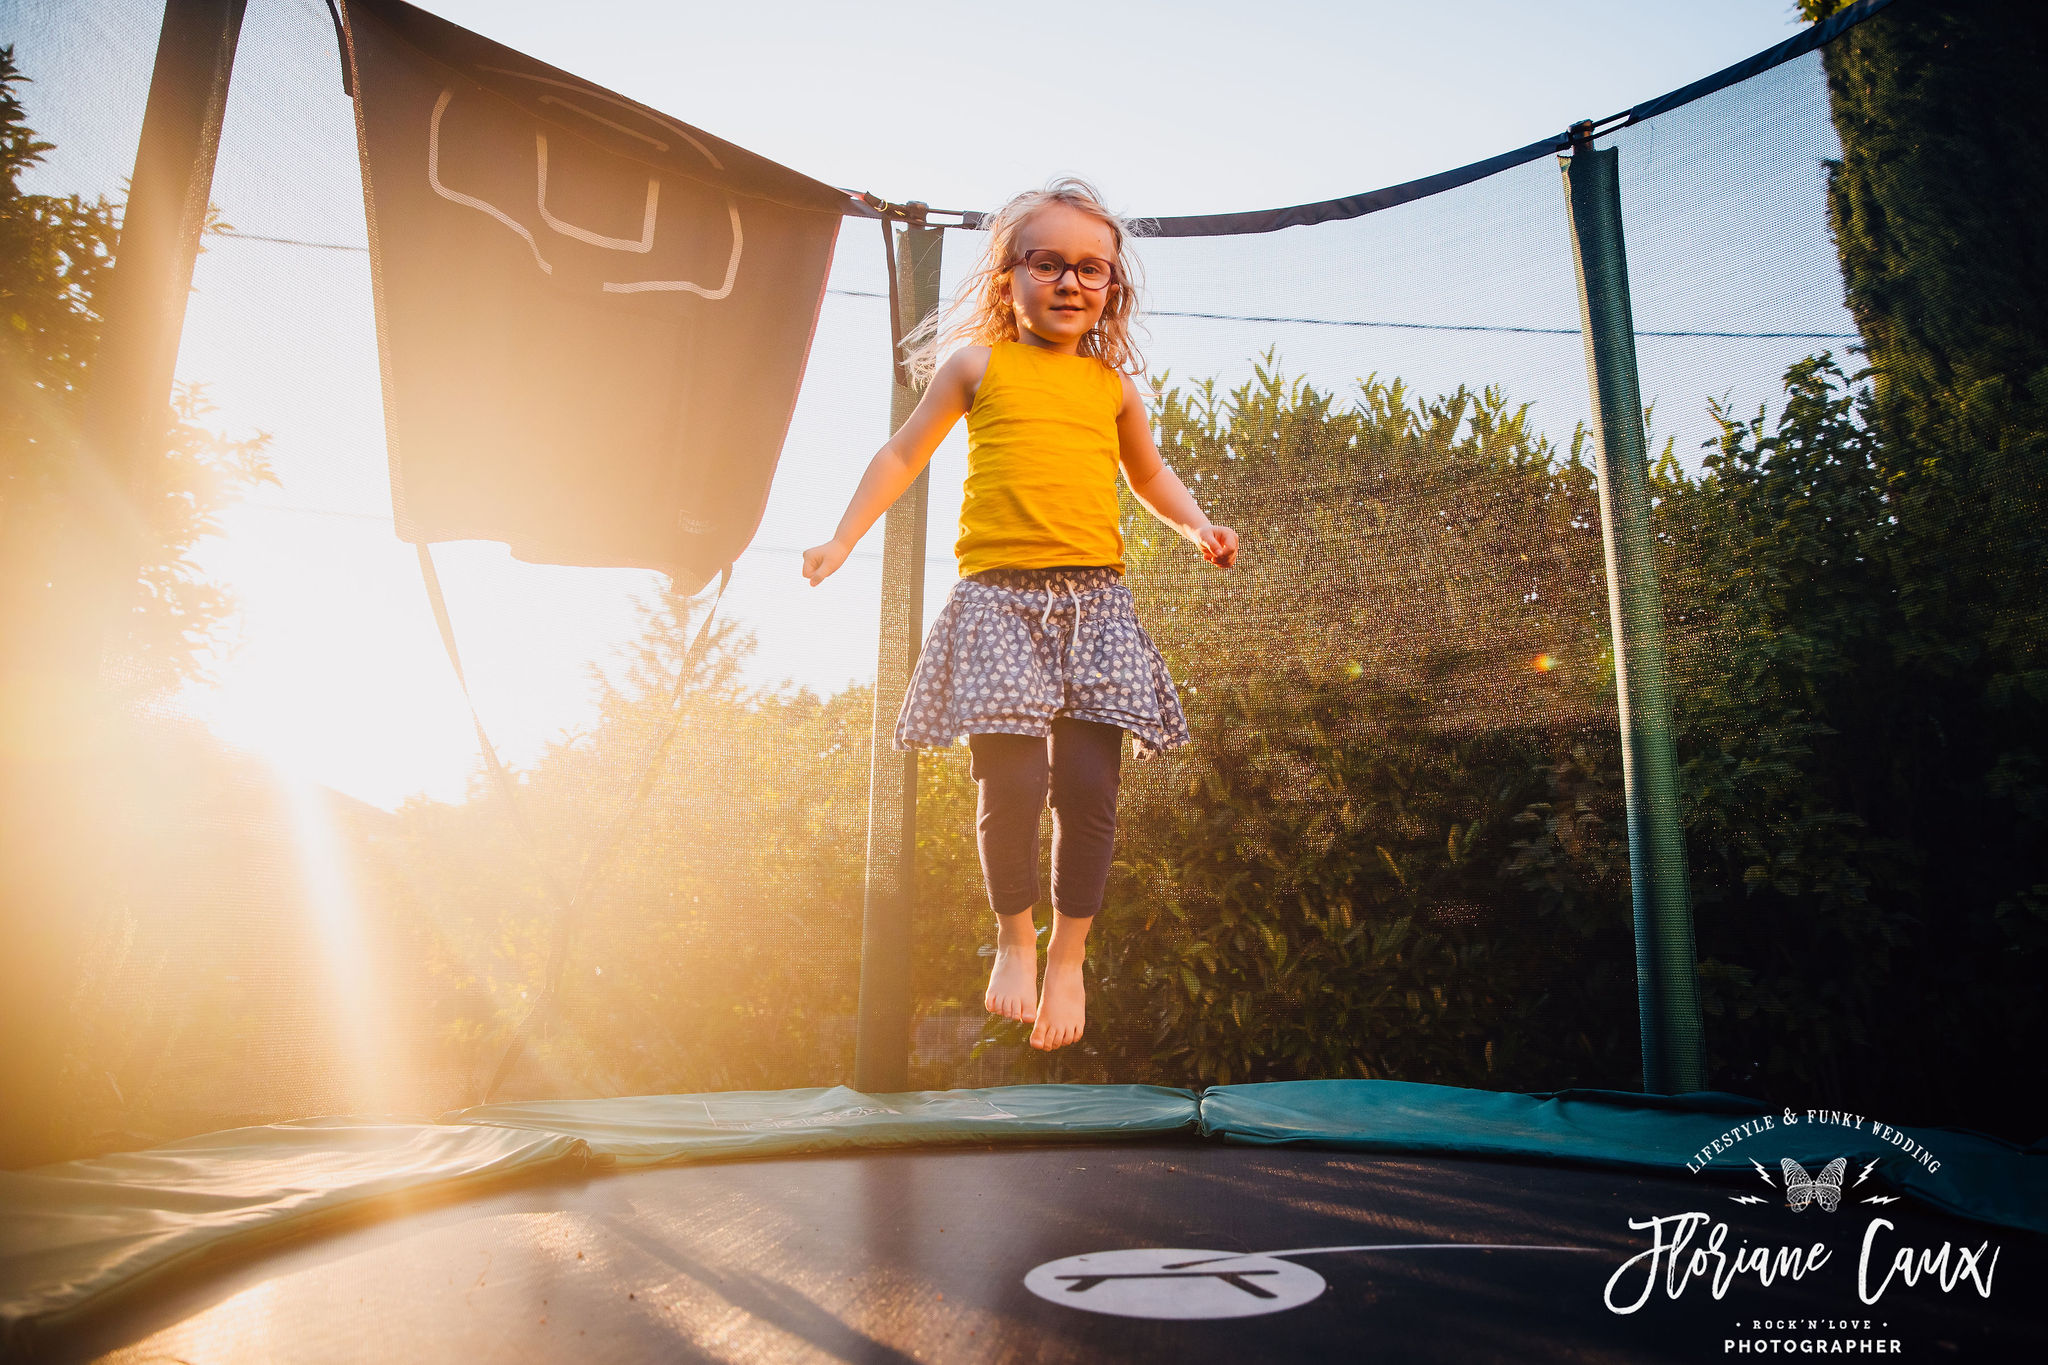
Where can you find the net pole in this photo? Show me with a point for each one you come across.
(881, 1048)
(1667, 986)
(144, 310)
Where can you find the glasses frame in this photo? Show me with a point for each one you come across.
(1066, 266)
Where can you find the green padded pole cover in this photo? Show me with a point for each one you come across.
(881, 1046)
(1667, 986)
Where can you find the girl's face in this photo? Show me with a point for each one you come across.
(1058, 314)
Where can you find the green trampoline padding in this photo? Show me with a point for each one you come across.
(1980, 1177)
(73, 1234)
(646, 1130)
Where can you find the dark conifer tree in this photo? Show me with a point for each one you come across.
(1939, 209)
(1940, 201)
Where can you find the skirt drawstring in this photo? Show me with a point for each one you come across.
(1074, 641)
(1045, 617)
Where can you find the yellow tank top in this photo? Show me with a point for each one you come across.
(1042, 459)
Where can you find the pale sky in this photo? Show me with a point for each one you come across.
(1170, 109)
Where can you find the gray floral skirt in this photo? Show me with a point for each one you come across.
(1012, 648)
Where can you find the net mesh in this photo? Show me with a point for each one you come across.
(1396, 847)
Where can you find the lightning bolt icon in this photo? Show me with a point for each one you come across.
(1762, 1172)
(1745, 1199)
(1866, 1172)
(1882, 1199)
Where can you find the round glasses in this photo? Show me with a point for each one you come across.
(1049, 267)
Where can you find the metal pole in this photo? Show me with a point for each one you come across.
(881, 1049)
(144, 308)
(1667, 986)
(48, 847)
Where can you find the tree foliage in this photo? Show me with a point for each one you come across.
(715, 923)
(56, 255)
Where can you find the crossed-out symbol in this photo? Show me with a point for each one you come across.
(1240, 1279)
(1187, 1284)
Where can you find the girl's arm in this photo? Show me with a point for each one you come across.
(897, 464)
(1160, 489)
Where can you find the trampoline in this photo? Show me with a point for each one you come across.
(657, 1034)
(1087, 1223)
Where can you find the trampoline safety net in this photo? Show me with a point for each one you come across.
(258, 868)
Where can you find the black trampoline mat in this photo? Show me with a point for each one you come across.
(921, 1255)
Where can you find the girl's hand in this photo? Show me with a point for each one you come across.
(820, 561)
(1219, 545)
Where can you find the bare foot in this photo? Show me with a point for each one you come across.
(1062, 1010)
(1013, 982)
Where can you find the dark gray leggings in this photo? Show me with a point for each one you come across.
(1076, 771)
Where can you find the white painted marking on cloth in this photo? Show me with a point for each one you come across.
(568, 229)
(644, 244)
(732, 270)
(561, 103)
(470, 201)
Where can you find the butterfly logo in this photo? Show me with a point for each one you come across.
(1802, 1189)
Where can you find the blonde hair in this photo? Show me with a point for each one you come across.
(981, 314)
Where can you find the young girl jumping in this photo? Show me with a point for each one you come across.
(1038, 657)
